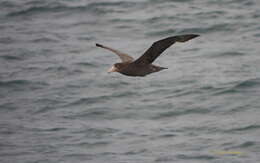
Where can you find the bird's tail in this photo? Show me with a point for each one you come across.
(159, 68)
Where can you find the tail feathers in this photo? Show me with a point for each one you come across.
(162, 68)
(158, 68)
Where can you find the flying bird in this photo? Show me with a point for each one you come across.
(143, 65)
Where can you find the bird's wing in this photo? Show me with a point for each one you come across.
(124, 57)
(159, 46)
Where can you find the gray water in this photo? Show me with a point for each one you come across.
(58, 104)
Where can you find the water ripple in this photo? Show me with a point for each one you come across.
(245, 128)
(181, 112)
(195, 157)
(242, 86)
(95, 7)
(21, 84)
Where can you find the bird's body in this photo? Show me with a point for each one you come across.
(143, 65)
(131, 69)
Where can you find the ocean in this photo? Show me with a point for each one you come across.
(58, 104)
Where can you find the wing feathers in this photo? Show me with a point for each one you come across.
(160, 46)
(124, 57)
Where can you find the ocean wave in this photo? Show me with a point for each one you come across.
(93, 144)
(114, 85)
(102, 113)
(12, 83)
(95, 7)
(124, 4)
(246, 144)
(51, 129)
(242, 86)
(195, 157)
(91, 114)
(57, 68)
(166, 1)
(88, 100)
(211, 14)
(245, 128)
(209, 29)
(21, 84)
(16, 54)
(63, 70)
(36, 10)
(224, 27)
(45, 40)
(95, 132)
(7, 40)
(7, 4)
(101, 98)
(181, 112)
(86, 64)
(135, 152)
(249, 83)
(10, 57)
(229, 54)
(47, 104)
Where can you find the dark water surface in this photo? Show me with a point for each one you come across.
(58, 104)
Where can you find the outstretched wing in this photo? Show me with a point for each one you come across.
(124, 57)
(159, 46)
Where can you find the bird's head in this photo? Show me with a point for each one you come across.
(115, 68)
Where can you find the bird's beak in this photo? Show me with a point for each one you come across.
(112, 69)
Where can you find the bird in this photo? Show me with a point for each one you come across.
(143, 66)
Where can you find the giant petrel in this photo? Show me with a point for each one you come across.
(143, 65)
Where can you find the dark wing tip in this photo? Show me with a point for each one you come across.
(191, 36)
(99, 45)
(194, 35)
(187, 37)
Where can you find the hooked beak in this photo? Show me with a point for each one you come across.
(112, 69)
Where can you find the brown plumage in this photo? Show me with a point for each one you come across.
(143, 65)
